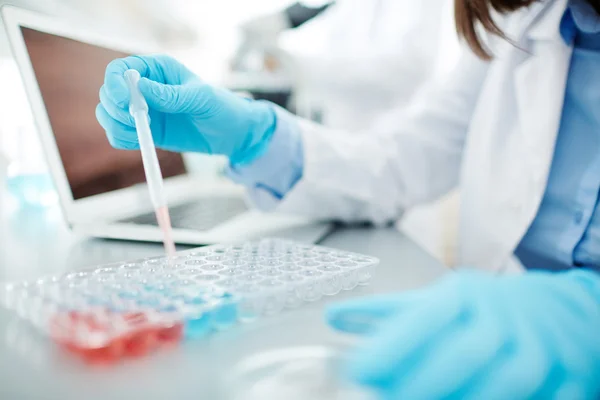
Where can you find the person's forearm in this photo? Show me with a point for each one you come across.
(351, 177)
(324, 173)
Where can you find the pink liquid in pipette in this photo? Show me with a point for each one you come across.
(164, 223)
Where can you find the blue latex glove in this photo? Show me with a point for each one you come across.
(186, 114)
(475, 336)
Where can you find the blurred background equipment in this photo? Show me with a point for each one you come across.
(347, 62)
(142, 20)
(146, 22)
(260, 59)
(262, 34)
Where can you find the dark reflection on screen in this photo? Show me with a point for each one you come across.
(69, 75)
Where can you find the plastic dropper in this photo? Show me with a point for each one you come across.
(138, 108)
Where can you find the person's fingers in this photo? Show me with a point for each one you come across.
(464, 354)
(176, 98)
(525, 369)
(119, 135)
(114, 81)
(362, 316)
(406, 337)
(120, 114)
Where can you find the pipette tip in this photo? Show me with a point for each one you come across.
(164, 223)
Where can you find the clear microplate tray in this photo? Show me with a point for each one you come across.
(301, 373)
(130, 308)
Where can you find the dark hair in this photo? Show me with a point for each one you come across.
(469, 14)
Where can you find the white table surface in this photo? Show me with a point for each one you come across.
(38, 243)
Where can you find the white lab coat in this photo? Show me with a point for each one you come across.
(491, 127)
(363, 57)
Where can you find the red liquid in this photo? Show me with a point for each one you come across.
(104, 355)
(140, 343)
(64, 329)
(164, 222)
(140, 338)
(171, 335)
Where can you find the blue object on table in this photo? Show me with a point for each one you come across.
(199, 327)
(32, 190)
(225, 314)
(218, 313)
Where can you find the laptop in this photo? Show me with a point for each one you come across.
(102, 190)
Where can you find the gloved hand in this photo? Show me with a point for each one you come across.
(475, 336)
(186, 114)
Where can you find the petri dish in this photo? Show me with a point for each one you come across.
(297, 373)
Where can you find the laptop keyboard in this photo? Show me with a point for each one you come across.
(201, 215)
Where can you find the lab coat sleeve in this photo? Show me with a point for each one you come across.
(411, 158)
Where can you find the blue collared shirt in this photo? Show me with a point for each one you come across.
(566, 230)
(270, 177)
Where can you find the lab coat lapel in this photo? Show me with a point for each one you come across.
(540, 84)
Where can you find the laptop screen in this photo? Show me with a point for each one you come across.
(69, 74)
